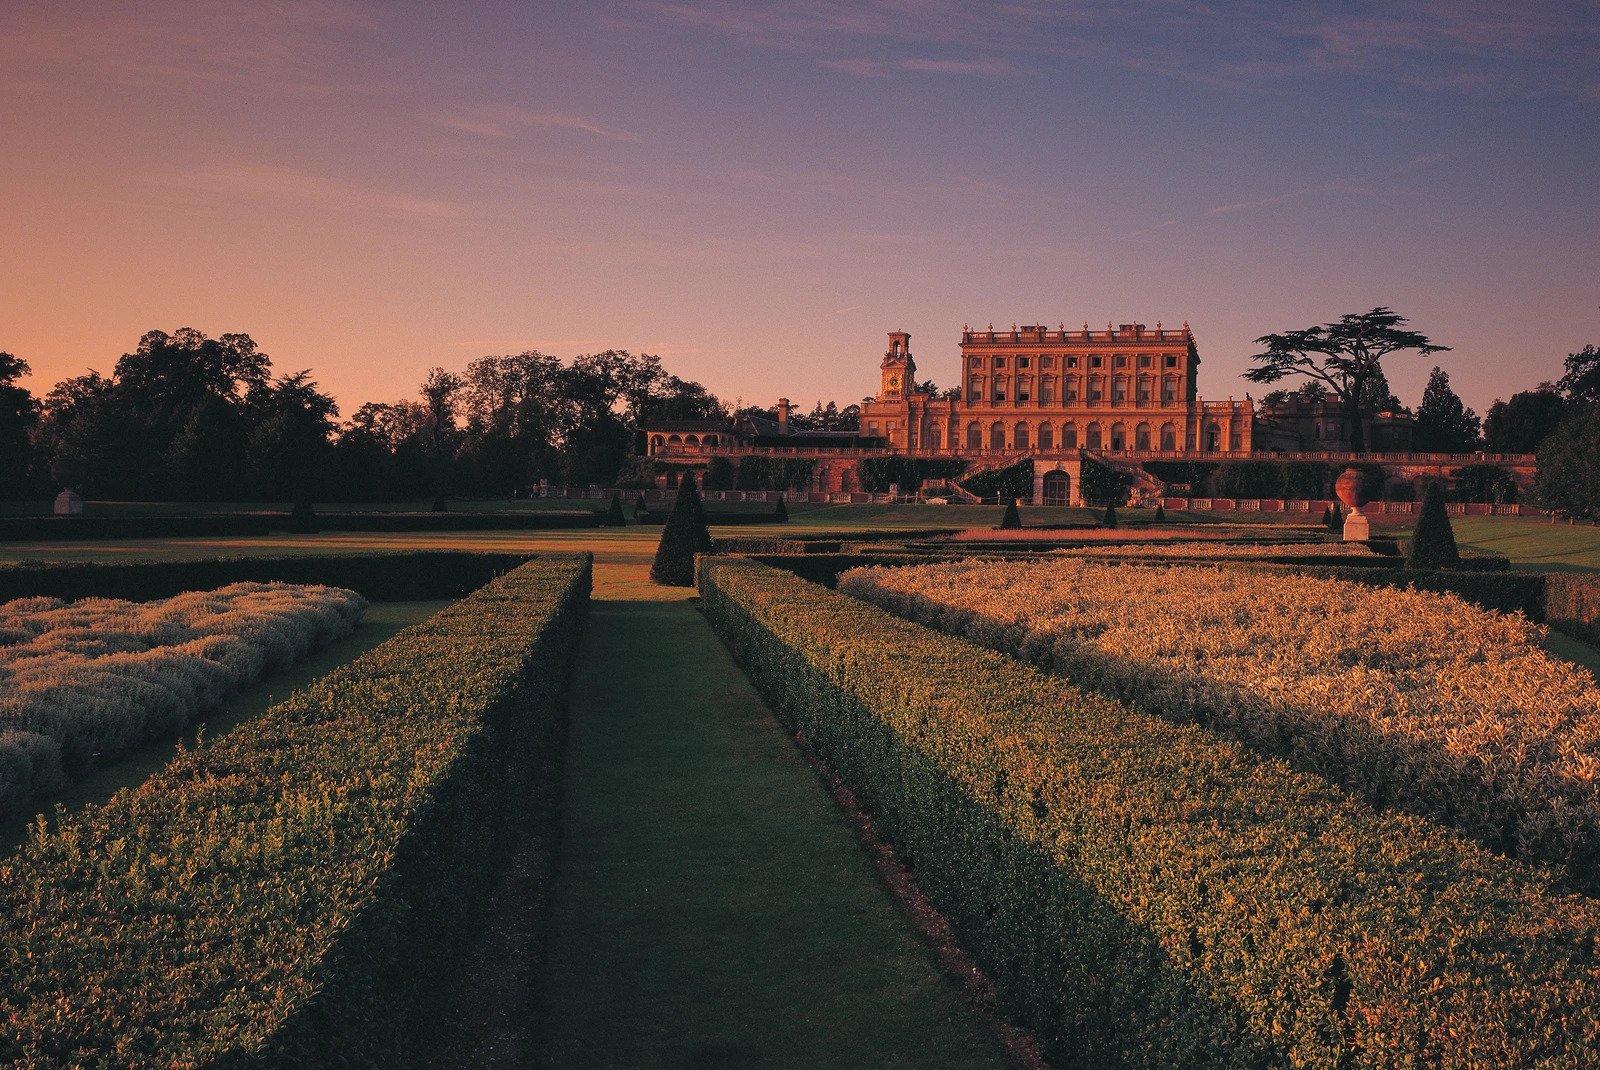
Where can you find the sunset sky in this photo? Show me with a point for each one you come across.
(758, 192)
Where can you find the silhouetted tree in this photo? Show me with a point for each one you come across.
(1345, 356)
(782, 511)
(1568, 477)
(1011, 520)
(19, 414)
(1110, 519)
(1444, 424)
(1522, 423)
(1581, 383)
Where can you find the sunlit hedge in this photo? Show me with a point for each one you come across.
(82, 682)
(1149, 894)
(290, 895)
(1409, 699)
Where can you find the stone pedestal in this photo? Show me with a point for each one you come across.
(1356, 527)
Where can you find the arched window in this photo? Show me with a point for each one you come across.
(656, 443)
(691, 440)
(974, 436)
(709, 440)
(1141, 437)
(997, 436)
(1119, 439)
(674, 440)
(1047, 437)
(1069, 436)
(932, 439)
(1019, 436)
(1169, 437)
(1091, 437)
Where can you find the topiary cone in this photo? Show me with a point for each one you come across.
(782, 511)
(1012, 520)
(685, 535)
(1433, 540)
(1111, 516)
(614, 516)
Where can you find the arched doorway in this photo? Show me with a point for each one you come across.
(1057, 488)
(1141, 437)
(1169, 437)
(1047, 437)
(1091, 437)
(997, 436)
(1213, 438)
(1119, 437)
(974, 437)
(1019, 437)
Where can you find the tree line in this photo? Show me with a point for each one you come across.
(189, 418)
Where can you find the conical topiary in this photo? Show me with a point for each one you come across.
(1433, 541)
(782, 511)
(1327, 516)
(1334, 518)
(1012, 520)
(639, 507)
(1111, 516)
(439, 505)
(614, 516)
(1161, 513)
(302, 519)
(684, 536)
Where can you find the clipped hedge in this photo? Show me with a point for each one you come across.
(399, 576)
(289, 895)
(1572, 603)
(1146, 894)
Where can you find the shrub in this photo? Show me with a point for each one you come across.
(782, 511)
(87, 681)
(302, 519)
(1161, 514)
(1433, 541)
(1146, 894)
(685, 535)
(1192, 474)
(291, 894)
(1012, 481)
(1103, 483)
(878, 474)
(380, 577)
(1011, 520)
(774, 473)
(440, 506)
(1484, 483)
(614, 517)
(639, 507)
(1417, 701)
(720, 474)
(1110, 519)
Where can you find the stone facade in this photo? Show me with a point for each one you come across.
(1042, 391)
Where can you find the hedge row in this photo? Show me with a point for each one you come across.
(716, 519)
(290, 894)
(224, 525)
(398, 576)
(1572, 603)
(1146, 894)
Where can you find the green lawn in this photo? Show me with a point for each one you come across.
(710, 906)
(382, 620)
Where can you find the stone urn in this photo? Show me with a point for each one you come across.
(1354, 491)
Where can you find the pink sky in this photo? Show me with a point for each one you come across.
(759, 193)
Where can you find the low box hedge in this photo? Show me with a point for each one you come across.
(1147, 894)
(290, 894)
(385, 576)
(1572, 603)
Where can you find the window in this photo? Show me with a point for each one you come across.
(1069, 388)
(1169, 437)
(931, 440)
(1119, 390)
(1144, 389)
(1118, 437)
(1023, 362)
(1069, 436)
(1172, 360)
(1169, 390)
(975, 391)
(1097, 362)
(999, 389)
(974, 362)
(1144, 360)
(1072, 362)
(1047, 437)
(1095, 388)
(974, 437)
(1019, 436)
(1024, 389)
(1047, 362)
(1122, 360)
(1141, 437)
(1047, 390)
(872, 427)
(997, 436)
(1091, 437)
(999, 362)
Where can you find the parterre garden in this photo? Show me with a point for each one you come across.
(1186, 794)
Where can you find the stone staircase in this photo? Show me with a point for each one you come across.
(1142, 484)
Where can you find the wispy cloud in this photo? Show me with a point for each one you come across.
(503, 121)
(288, 187)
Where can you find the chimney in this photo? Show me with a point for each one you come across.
(783, 416)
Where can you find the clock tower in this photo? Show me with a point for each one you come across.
(899, 370)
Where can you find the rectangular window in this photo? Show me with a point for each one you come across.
(974, 362)
(1122, 360)
(1072, 362)
(872, 427)
(1097, 362)
(1144, 360)
(1169, 391)
(1144, 390)
(1172, 360)
(1023, 392)
(1046, 389)
(999, 362)
(1047, 362)
(1023, 362)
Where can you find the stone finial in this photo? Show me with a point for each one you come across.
(1158, 325)
(991, 326)
(1013, 325)
(1085, 326)
(1062, 326)
(1186, 325)
(1109, 327)
(965, 329)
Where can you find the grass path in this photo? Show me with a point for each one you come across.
(710, 907)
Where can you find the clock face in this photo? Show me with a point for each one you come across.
(894, 382)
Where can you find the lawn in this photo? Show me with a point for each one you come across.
(382, 620)
(710, 905)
